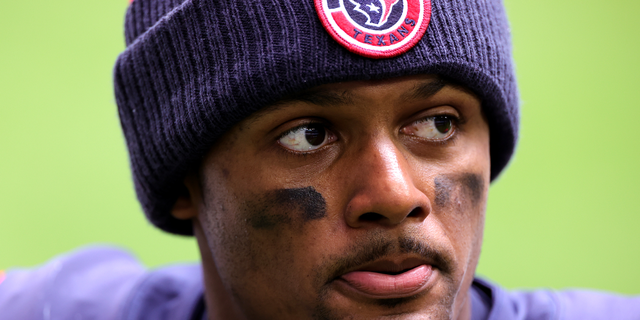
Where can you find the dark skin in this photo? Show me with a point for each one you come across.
(368, 175)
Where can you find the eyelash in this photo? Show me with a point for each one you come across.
(296, 128)
(451, 140)
(289, 152)
(456, 124)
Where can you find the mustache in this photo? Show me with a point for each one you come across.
(378, 247)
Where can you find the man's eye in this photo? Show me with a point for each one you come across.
(306, 138)
(433, 128)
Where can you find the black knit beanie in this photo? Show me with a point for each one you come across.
(194, 68)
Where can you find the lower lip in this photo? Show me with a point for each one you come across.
(384, 286)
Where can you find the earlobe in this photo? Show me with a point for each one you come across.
(184, 209)
(186, 206)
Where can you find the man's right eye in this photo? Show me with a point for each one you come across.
(306, 137)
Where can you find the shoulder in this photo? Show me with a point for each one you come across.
(583, 304)
(559, 305)
(96, 282)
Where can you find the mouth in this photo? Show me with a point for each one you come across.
(389, 278)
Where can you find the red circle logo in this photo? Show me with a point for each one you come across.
(375, 28)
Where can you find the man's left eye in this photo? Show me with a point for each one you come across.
(432, 128)
(306, 138)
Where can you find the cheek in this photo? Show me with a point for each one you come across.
(276, 225)
(459, 203)
(460, 193)
(258, 239)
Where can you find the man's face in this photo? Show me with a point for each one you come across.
(354, 200)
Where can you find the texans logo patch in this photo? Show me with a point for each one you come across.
(375, 28)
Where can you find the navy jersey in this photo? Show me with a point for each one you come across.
(103, 283)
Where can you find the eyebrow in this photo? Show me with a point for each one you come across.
(422, 90)
(426, 89)
(320, 98)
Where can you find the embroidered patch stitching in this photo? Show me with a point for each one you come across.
(375, 28)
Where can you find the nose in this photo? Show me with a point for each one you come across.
(384, 192)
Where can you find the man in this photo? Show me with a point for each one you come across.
(332, 159)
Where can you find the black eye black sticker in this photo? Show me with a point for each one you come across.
(462, 187)
(282, 206)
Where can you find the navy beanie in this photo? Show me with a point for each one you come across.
(194, 68)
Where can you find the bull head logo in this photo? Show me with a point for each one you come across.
(376, 11)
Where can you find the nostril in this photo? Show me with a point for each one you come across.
(371, 216)
(415, 212)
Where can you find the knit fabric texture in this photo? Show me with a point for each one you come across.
(192, 69)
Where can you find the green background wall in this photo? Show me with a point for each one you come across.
(565, 214)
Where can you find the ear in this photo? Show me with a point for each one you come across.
(187, 205)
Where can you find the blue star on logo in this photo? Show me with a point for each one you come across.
(372, 7)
